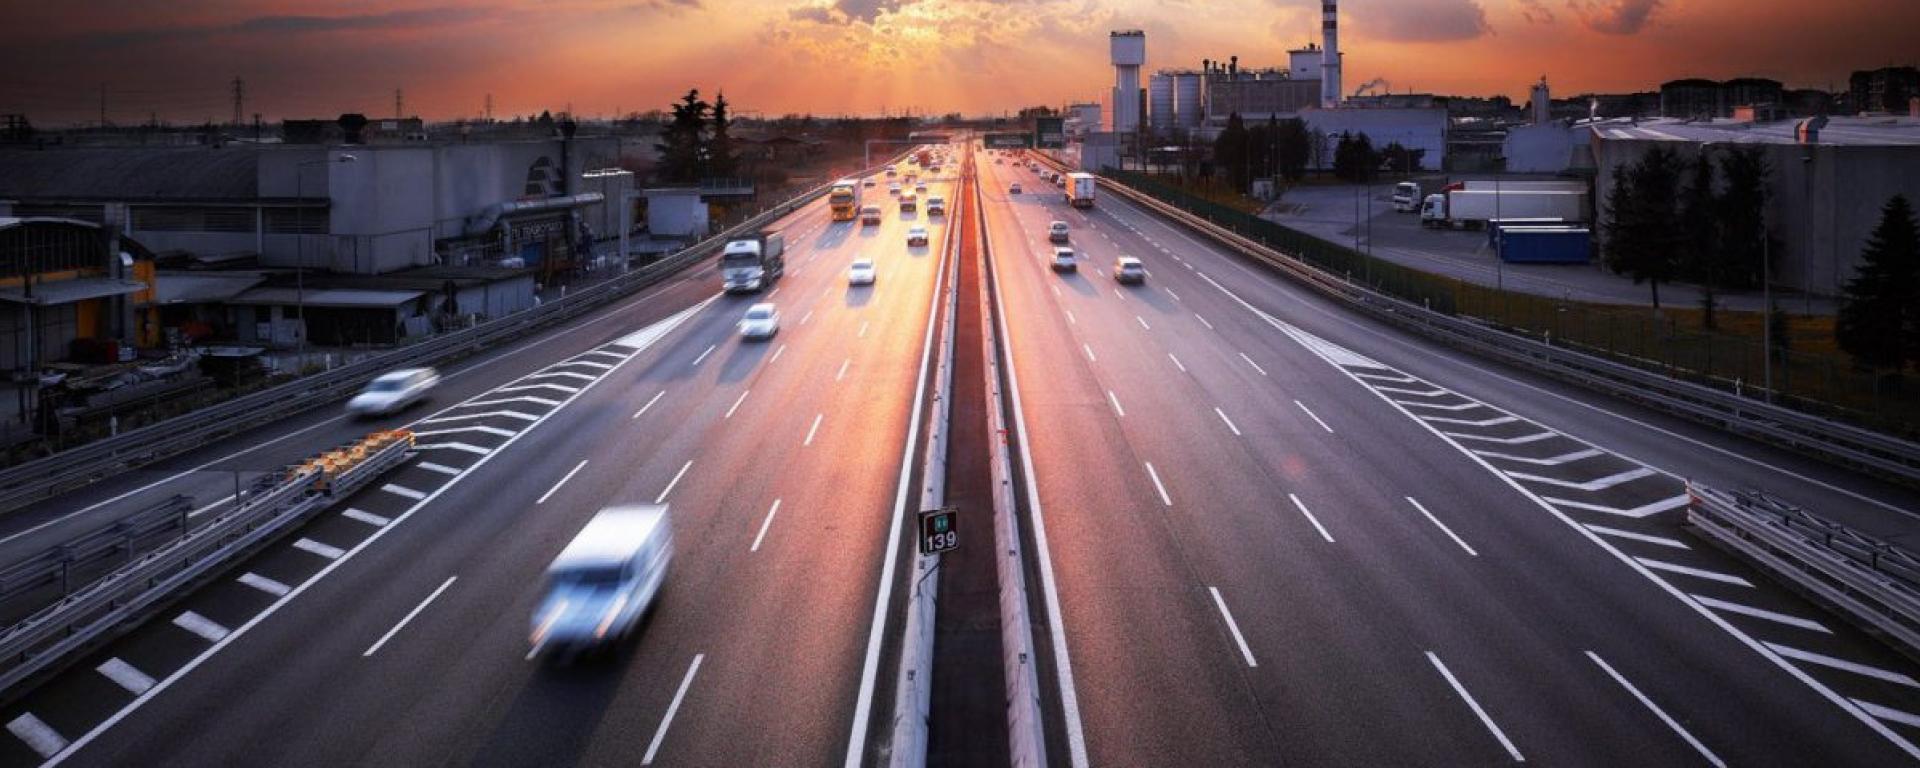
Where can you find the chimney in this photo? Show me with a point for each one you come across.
(1233, 67)
(351, 125)
(1330, 54)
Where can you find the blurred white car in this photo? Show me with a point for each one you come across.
(762, 321)
(391, 392)
(602, 584)
(1128, 269)
(917, 236)
(861, 272)
(894, 188)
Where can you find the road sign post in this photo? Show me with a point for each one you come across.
(939, 530)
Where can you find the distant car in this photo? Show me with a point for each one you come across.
(936, 206)
(894, 188)
(1128, 269)
(870, 216)
(920, 189)
(867, 182)
(892, 172)
(908, 203)
(393, 392)
(1057, 232)
(998, 161)
(1014, 188)
(861, 272)
(917, 236)
(762, 321)
(603, 582)
(1063, 260)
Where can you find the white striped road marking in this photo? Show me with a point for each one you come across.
(327, 551)
(1493, 422)
(1234, 627)
(1116, 403)
(552, 374)
(614, 355)
(765, 525)
(480, 428)
(1143, 322)
(407, 618)
(1844, 665)
(1385, 377)
(1176, 362)
(1311, 415)
(1070, 318)
(401, 490)
(561, 387)
(1439, 407)
(590, 364)
(481, 415)
(645, 337)
(1475, 706)
(1223, 417)
(1256, 366)
(777, 353)
(264, 584)
(1165, 500)
(366, 517)
(563, 481)
(703, 355)
(736, 404)
(1888, 713)
(1089, 350)
(1521, 440)
(811, 430)
(200, 625)
(671, 483)
(843, 369)
(1551, 461)
(1762, 613)
(1662, 565)
(1649, 508)
(38, 735)
(1615, 532)
(1310, 518)
(440, 468)
(1419, 392)
(473, 449)
(650, 402)
(1442, 526)
(125, 676)
(1598, 484)
(1657, 711)
(661, 734)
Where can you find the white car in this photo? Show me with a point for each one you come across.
(861, 272)
(1128, 269)
(762, 321)
(391, 392)
(920, 189)
(917, 236)
(894, 188)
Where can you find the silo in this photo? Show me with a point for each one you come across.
(1161, 109)
(1188, 102)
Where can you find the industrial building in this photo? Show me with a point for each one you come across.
(1888, 89)
(1699, 99)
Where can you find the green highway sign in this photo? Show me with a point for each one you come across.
(1050, 132)
(1008, 140)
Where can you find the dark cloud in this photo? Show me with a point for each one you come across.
(1423, 21)
(1614, 17)
(815, 13)
(847, 11)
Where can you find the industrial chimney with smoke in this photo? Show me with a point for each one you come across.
(1330, 54)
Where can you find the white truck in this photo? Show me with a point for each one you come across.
(750, 264)
(1406, 197)
(1079, 187)
(600, 585)
(1472, 208)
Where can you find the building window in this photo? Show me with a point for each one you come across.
(192, 218)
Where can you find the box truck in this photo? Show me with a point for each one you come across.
(750, 264)
(1466, 208)
(600, 585)
(1079, 187)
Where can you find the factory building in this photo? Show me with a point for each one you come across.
(1699, 99)
(1887, 89)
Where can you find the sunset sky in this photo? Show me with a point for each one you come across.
(176, 59)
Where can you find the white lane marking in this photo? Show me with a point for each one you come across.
(1644, 510)
(563, 481)
(1442, 526)
(1143, 322)
(863, 329)
(1056, 289)
(1842, 664)
(125, 676)
(551, 374)
(1116, 403)
(1456, 407)
(590, 364)
(403, 491)
(813, 429)
(1070, 318)
(661, 734)
(1176, 362)
(1888, 713)
(1520, 440)
(1435, 392)
(843, 369)
(1176, 297)
(200, 625)
(264, 584)
(440, 468)
(38, 735)
(1475, 706)
(210, 507)
(1165, 500)
(371, 649)
(1657, 711)
(1311, 415)
(1223, 417)
(776, 289)
(366, 517)
(327, 551)
(1597, 484)
(703, 355)
(485, 430)
(670, 483)
(1615, 532)
(1234, 627)
(1116, 292)
(736, 404)
(1256, 366)
(808, 316)
(777, 353)
(1089, 350)
(1310, 518)
(765, 525)
(1386, 377)
(614, 355)
(1551, 461)
(1762, 613)
(561, 387)
(1492, 422)
(1724, 578)
(650, 402)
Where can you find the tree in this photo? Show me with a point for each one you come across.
(1642, 230)
(1355, 159)
(722, 159)
(1879, 323)
(1295, 148)
(682, 140)
(1700, 239)
(1742, 213)
(1400, 158)
(1230, 151)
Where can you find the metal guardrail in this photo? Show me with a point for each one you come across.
(1873, 583)
(27, 585)
(1843, 444)
(93, 614)
(43, 478)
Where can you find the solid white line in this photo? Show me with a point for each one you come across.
(1492, 422)
(409, 617)
(1521, 440)
(366, 517)
(777, 353)
(1650, 508)
(703, 355)
(1842, 664)
(1203, 321)
(440, 468)
(327, 551)
(1176, 362)
(1143, 322)
(736, 404)
(765, 525)
(1314, 416)
(125, 676)
(1724, 578)
(1552, 461)
(670, 483)
(1070, 318)
(1659, 540)
(1164, 499)
(1598, 484)
(563, 481)
(650, 402)
(1234, 627)
(543, 385)
(1089, 351)
(590, 364)
(1223, 417)
(1256, 366)
(843, 369)
(1762, 613)
(1311, 519)
(1116, 403)
(38, 735)
(403, 491)
(1657, 711)
(264, 584)
(1475, 705)
(1889, 713)
(485, 430)
(1442, 526)
(200, 625)
(550, 374)
(661, 734)
(811, 430)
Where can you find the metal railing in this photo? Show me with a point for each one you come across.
(28, 585)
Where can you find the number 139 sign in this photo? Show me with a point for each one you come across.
(939, 530)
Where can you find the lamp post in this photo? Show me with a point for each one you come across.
(300, 250)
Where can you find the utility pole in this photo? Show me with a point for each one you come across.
(489, 107)
(398, 110)
(103, 105)
(239, 99)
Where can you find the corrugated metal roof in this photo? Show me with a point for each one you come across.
(191, 288)
(142, 173)
(326, 297)
(1851, 131)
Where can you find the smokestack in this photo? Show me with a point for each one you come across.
(1542, 102)
(1128, 51)
(1233, 67)
(1330, 53)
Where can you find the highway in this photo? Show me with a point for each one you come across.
(1282, 534)
(394, 628)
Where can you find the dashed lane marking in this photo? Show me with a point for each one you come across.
(206, 628)
(327, 551)
(440, 468)
(38, 735)
(264, 584)
(126, 676)
(366, 517)
(404, 492)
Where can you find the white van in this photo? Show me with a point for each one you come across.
(603, 582)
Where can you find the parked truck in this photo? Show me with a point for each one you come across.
(1079, 189)
(750, 264)
(1406, 197)
(1472, 208)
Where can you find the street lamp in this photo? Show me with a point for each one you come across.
(300, 250)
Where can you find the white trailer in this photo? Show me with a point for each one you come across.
(1472, 208)
(1079, 188)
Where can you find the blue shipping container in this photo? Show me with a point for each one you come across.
(1545, 245)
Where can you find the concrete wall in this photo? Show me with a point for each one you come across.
(1546, 148)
